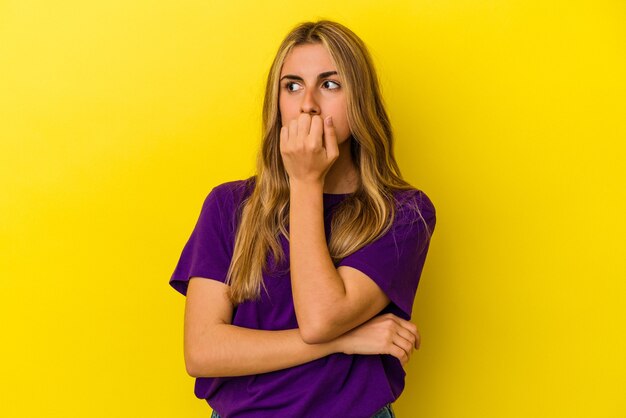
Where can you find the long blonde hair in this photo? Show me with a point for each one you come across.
(362, 216)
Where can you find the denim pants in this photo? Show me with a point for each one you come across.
(384, 412)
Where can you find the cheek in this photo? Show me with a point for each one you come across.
(341, 126)
(341, 130)
(286, 111)
(284, 115)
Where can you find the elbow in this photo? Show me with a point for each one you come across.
(191, 370)
(316, 333)
(197, 365)
(308, 336)
(192, 365)
(201, 359)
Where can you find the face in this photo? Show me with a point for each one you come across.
(309, 83)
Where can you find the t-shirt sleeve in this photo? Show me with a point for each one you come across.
(396, 259)
(208, 251)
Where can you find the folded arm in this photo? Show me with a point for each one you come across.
(328, 301)
(214, 347)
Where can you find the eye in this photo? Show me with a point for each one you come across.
(289, 84)
(332, 83)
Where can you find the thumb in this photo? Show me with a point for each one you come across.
(330, 139)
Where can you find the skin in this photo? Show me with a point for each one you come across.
(305, 103)
(316, 157)
(315, 135)
(214, 347)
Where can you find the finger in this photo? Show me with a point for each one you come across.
(418, 337)
(317, 129)
(412, 328)
(293, 130)
(404, 344)
(284, 137)
(304, 124)
(399, 353)
(407, 335)
(330, 139)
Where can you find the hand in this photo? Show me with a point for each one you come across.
(308, 146)
(383, 334)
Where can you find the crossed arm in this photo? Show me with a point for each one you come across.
(330, 305)
(214, 347)
(328, 301)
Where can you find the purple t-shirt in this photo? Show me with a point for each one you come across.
(338, 385)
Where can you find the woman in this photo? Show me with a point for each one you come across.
(330, 231)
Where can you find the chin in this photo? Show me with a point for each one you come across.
(346, 139)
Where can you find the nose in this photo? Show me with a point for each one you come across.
(309, 104)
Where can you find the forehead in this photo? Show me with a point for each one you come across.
(308, 59)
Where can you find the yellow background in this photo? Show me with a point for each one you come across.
(118, 117)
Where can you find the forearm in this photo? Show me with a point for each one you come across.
(316, 285)
(230, 350)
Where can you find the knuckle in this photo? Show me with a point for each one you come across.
(389, 335)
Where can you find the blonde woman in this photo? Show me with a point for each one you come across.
(300, 280)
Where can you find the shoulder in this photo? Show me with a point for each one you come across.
(414, 199)
(414, 205)
(231, 193)
(224, 203)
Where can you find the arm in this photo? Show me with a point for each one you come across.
(328, 301)
(214, 347)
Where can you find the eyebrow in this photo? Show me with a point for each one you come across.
(297, 77)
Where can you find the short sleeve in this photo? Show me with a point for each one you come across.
(396, 259)
(208, 251)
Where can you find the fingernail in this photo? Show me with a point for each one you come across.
(329, 121)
